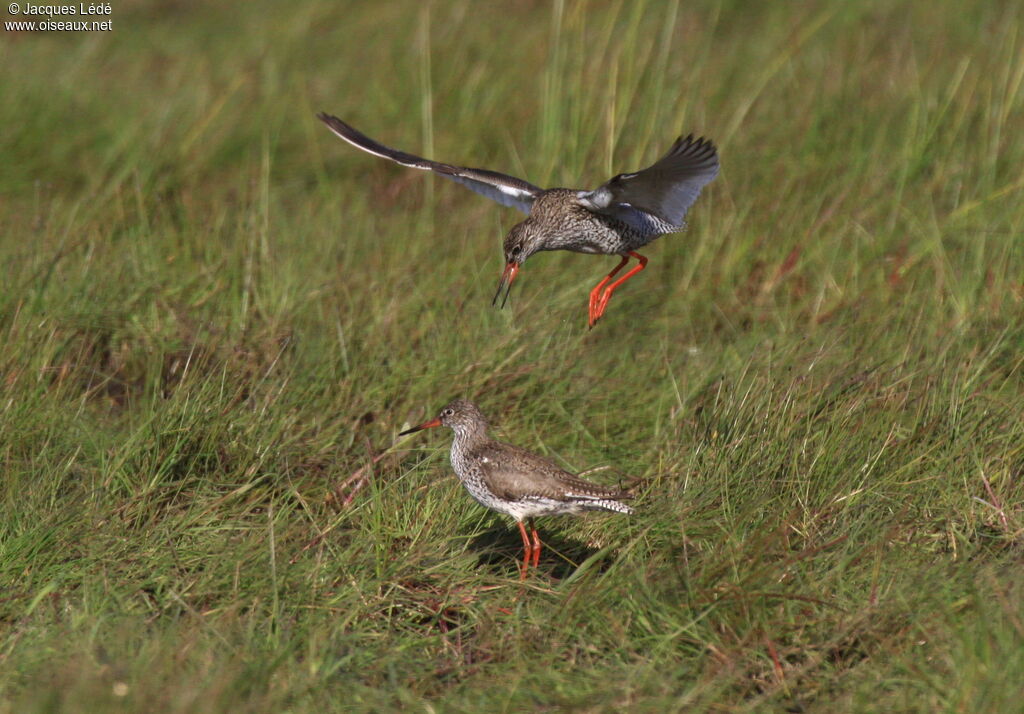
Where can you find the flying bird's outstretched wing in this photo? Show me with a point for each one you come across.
(655, 199)
(506, 190)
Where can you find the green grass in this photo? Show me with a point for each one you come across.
(214, 314)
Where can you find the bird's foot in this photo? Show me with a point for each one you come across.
(597, 310)
(599, 304)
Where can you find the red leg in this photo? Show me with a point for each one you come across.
(596, 292)
(536, 543)
(527, 550)
(607, 294)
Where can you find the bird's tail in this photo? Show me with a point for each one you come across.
(608, 504)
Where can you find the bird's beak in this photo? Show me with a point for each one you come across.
(424, 425)
(507, 276)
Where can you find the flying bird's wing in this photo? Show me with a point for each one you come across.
(506, 190)
(655, 199)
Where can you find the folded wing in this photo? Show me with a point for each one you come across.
(656, 199)
(506, 190)
(520, 475)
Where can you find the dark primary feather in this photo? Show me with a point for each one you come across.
(655, 199)
(514, 474)
(506, 190)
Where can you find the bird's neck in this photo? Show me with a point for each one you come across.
(468, 437)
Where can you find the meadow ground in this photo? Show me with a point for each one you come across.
(214, 314)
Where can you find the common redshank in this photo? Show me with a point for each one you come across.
(514, 481)
(626, 213)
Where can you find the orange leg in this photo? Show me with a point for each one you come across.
(527, 550)
(595, 294)
(536, 543)
(602, 303)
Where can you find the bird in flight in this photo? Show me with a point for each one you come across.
(622, 215)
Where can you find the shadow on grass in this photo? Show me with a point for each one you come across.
(500, 550)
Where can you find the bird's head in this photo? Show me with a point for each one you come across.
(521, 242)
(459, 414)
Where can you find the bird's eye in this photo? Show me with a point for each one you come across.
(448, 412)
(517, 250)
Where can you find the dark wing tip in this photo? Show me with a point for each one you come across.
(359, 139)
(696, 151)
(336, 124)
(694, 146)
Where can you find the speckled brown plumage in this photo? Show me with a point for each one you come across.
(515, 481)
(625, 213)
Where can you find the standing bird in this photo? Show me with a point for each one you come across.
(620, 216)
(514, 481)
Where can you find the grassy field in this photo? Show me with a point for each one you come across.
(215, 317)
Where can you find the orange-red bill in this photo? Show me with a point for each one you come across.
(424, 425)
(507, 276)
